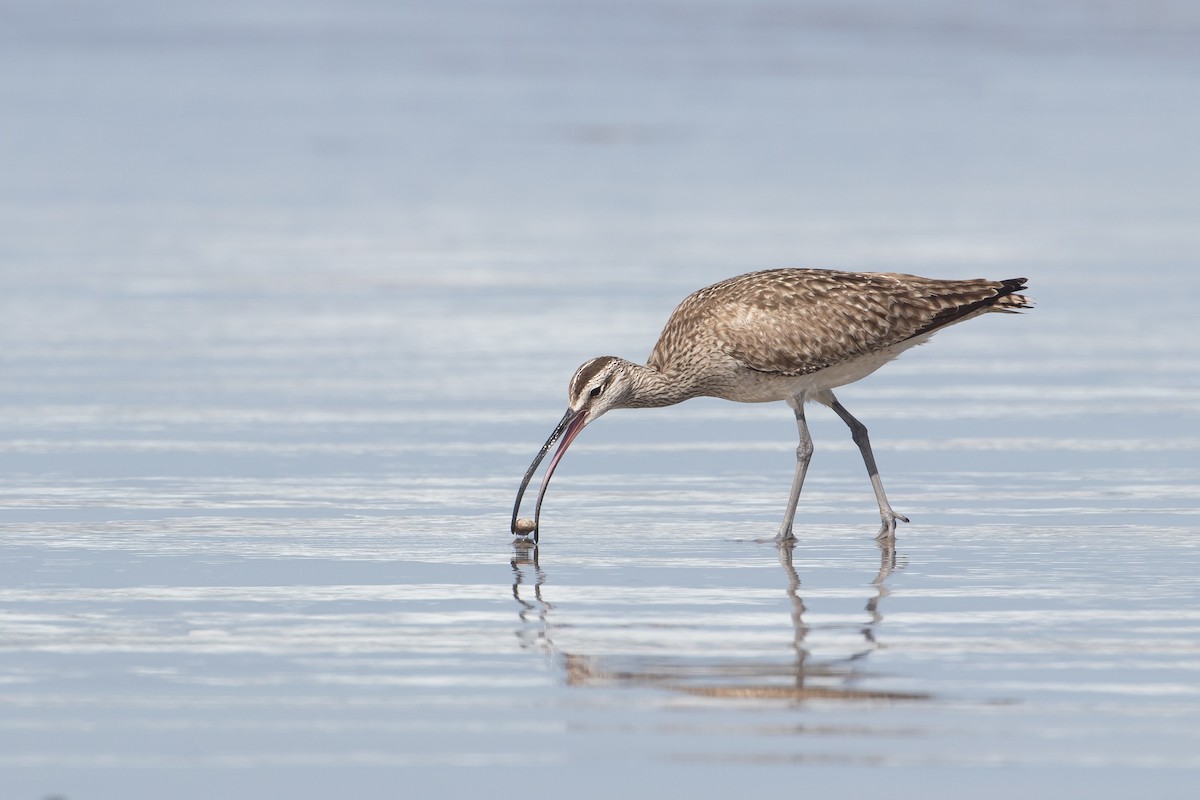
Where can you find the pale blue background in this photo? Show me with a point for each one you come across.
(290, 295)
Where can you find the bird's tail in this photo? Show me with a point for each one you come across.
(1006, 299)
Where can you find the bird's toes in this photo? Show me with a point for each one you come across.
(887, 531)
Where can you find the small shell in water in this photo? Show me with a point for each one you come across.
(524, 525)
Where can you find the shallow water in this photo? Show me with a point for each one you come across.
(292, 294)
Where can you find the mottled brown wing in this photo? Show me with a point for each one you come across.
(795, 322)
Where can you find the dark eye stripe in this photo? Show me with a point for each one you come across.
(587, 372)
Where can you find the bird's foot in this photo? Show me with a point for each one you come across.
(785, 536)
(887, 531)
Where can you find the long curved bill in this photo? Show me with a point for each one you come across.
(566, 429)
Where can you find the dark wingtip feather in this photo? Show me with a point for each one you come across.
(1006, 299)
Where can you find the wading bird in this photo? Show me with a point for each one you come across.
(781, 334)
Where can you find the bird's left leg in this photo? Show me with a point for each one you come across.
(858, 432)
(804, 453)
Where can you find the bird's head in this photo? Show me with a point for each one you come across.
(599, 385)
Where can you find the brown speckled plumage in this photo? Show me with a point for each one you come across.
(782, 334)
(793, 322)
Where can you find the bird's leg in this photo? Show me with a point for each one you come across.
(803, 455)
(858, 432)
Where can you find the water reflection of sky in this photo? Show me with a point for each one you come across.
(291, 295)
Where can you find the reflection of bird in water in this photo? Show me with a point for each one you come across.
(742, 678)
(539, 638)
(784, 334)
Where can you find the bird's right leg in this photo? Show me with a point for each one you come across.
(803, 455)
(858, 432)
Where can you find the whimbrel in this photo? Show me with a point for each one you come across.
(781, 334)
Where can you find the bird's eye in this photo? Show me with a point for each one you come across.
(595, 392)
